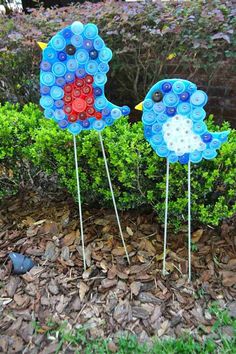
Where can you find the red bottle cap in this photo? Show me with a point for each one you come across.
(89, 79)
(72, 118)
(79, 105)
(90, 111)
(82, 116)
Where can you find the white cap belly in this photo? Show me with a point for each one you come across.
(179, 136)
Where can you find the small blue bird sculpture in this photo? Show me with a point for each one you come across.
(173, 119)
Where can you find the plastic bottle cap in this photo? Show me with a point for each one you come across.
(59, 69)
(60, 81)
(125, 110)
(49, 113)
(79, 105)
(59, 114)
(170, 111)
(147, 104)
(86, 124)
(44, 90)
(159, 107)
(166, 87)
(91, 67)
(77, 40)
(162, 151)
(77, 27)
(75, 128)
(100, 102)
(183, 159)
(97, 91)
(87, 44)
(98, 43)
(162, 118)
(198, 98)
(195, 156)
(58, 42)
(72, 118)
(63, 124)
(90, 31)
(80, 73)
(86, 89)
(109, 121)
(198, 114)
(62, 56)
(105, 54)
(98, 125)
(82, 116)
(90, 111)
(76, 92)
(184, 108)
(45, 65)
(67, 98)
(206, 138)
(149, 117)
(89, 100)
(88, 79)
(172, 157)
(47, 78)
(69, 77)
(82, 56)
(46, 101)
(156, 139)
(100, 79)
(59, 103)
(103, 68)
(67, 33)
(156, 128)
(72, 65)
(116, 113)
(56, 92)
(106, 112)
(49, 54)
(184, 96)
(209, 154)
(178, 87)
(171, 99)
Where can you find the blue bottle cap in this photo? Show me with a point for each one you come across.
(198, 114)
(162, 118)
(215, 144)
(56, 92)
(147, 131)
(77, 40)
(82, 56)
(109, 121)
(149, 117)
(184, 96)
(195, 156)
(166, 87)
(198, 98)
(87, 44)
(178, 87)
(147, 104)
(184, 108)
(156, 128)
(91, 67)
(49, 54)
(170, 111)
(59, 69)
(209, 154)
(156, 139)
(170, 99)
(100, 79)
(183, 159)
(172, 157)
(97, 91)
(58, 42)
(162, 151)
(106, 112)
(72, 65)
(125, 110)
(67, 33)
(59, 103)
(62, 56)
(60, 81)
(47, 78)
(75, 128)
(159, 107)
(100, 102)
(191, 88)
(85, 124)
(90, 31)
(49, 113)
(105, 54)
(206, 138)
(199, 128)
(98, 125)
(63, 124)
(80, 73)
(93, 54)
(98, 43)
(46, 102)
(45, 65)
(77, 27)
(59, 114)
(69, 77)
(44, 90)
(116, 113)
(103, 67)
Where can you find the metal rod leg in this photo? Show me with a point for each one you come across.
(189, 223)
(166, 217)
(79, 202)
(113, 197)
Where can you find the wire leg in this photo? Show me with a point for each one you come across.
(113, 197)
(166, 217)
(189, 223)
(79, 202)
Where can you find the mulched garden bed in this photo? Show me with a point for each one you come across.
(110, 298)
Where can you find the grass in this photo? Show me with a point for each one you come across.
(77, 340)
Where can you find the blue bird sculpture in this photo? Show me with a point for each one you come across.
(173, 118)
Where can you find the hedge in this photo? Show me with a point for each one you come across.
(30, 144)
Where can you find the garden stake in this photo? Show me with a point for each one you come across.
(113, 197)
(173, 118)
(72, 80)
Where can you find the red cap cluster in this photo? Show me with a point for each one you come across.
(79, 100)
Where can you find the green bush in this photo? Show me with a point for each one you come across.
(144, 36)
(30, 143)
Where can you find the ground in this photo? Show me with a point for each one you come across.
(110, 298)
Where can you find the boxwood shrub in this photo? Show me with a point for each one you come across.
(29, 144)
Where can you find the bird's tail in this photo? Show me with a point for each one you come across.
(221, 136)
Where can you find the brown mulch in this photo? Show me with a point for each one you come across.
(110, 297)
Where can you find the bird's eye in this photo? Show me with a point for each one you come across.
(157, 96)
(70, 49)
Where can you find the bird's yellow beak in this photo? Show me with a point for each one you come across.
(42, 45)
(139, 106)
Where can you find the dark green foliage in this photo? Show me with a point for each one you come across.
(150, 41)
(30, 143)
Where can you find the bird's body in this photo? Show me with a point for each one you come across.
(173, 118)
(72, 79)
